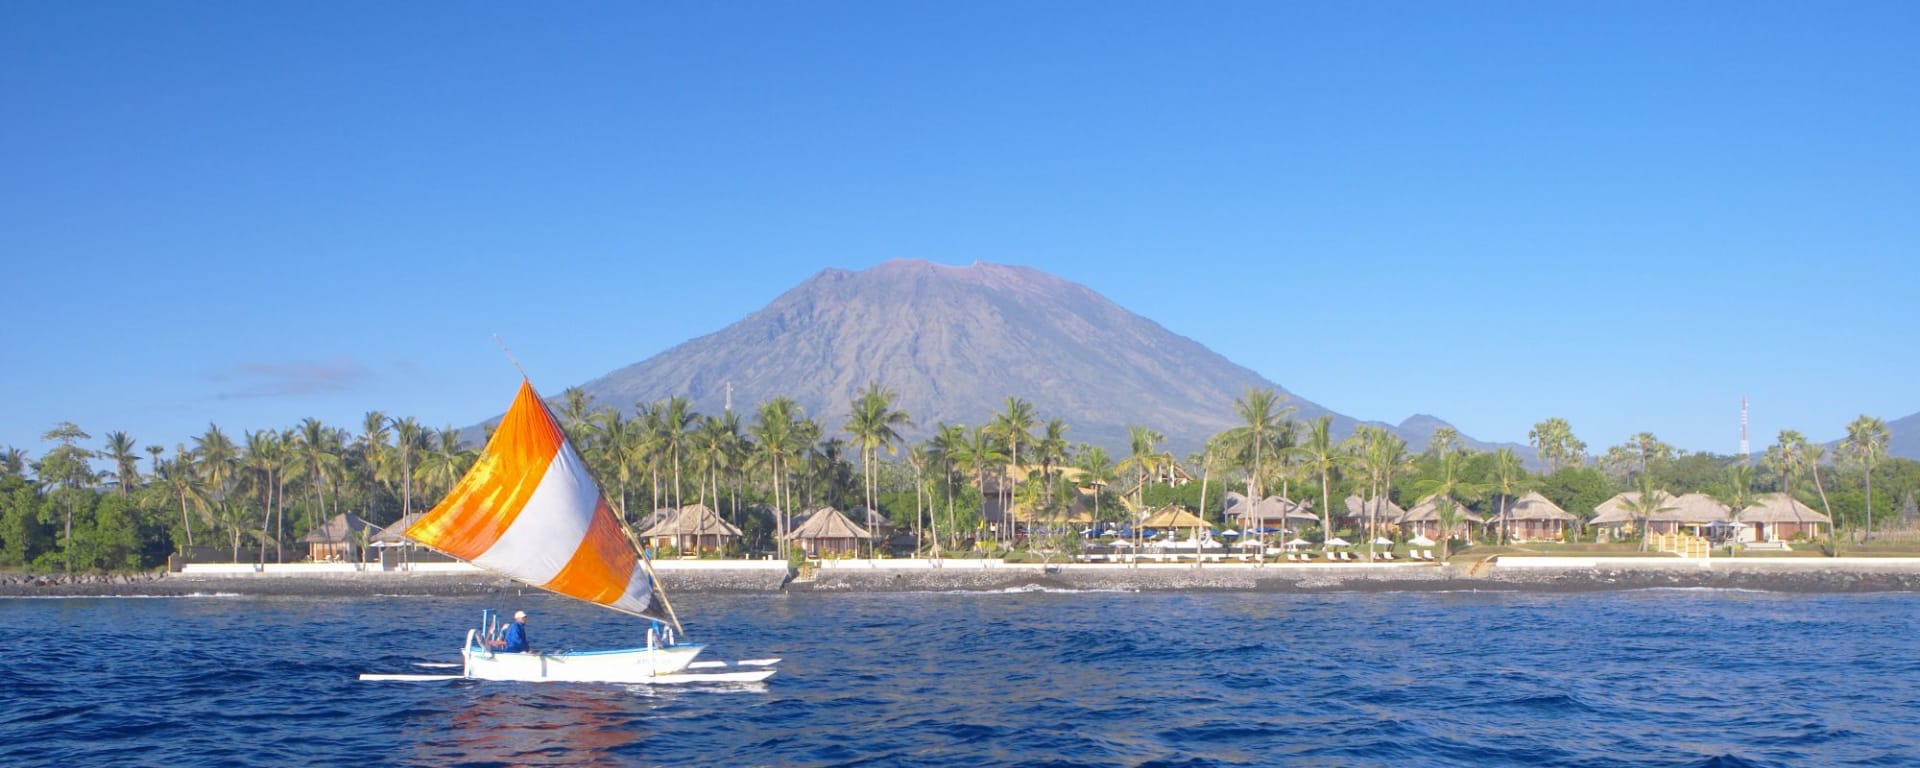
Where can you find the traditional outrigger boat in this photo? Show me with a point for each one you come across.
(529, 510)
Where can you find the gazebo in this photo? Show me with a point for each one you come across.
(1778, 517)
(695, 528)
(1534, 517)
(335, 540)
(828, 532)
(1424, 518)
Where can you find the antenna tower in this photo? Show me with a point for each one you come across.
(1744, 452)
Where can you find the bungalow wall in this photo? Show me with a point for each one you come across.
(1536, 530)
(830, 546)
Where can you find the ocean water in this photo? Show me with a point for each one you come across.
(1647, 678)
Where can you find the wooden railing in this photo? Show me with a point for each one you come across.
(1682, 544)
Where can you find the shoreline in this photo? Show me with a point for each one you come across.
(1545, 575)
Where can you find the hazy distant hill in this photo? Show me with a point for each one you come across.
(1906, 438)
(953, 343)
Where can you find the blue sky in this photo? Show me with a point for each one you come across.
(1625, 214)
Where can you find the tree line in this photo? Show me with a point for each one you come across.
(83, 505)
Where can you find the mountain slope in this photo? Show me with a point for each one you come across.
(952, 343)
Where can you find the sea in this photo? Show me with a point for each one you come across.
(1018, 678)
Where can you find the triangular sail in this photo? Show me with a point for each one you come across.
(529, 510)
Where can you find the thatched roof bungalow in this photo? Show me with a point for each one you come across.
(1272, 512)
(1778, 517)
(1534, 517)
(694, 529)
(1379, 512)
(1424, 518)
(337, 538)
(1691, 511)
(828, 532)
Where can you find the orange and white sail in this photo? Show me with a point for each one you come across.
(528, 509)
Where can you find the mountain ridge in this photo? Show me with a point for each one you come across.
(952, 343)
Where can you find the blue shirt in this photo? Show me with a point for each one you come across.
(515, 638)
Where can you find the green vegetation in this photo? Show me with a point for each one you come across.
(87, 505)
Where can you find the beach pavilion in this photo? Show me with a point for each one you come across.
(1778, 517)
(1534, 517)
(1424, 518)
(694, 529)
(337, 538)
(828, 532)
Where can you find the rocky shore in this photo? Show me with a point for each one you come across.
(1801, 576)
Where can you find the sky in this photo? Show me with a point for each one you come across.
(1625, 214)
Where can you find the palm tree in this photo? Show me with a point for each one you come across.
(1447, 490)
(13, 462)
(575, 407)
(1262, 417)
(1867, 439)
(1651, 501)
(773, 431)
(872, 425)
(1013, 425)
(1051, 449)
(218, 457)
(1507, 477)
(1554, 440)
(376, 455)
(409, 438)
(948, 445)
(1146, 460)
(317, 460)
(178, 480)
(1096, 469)
(444, 463)
(126, 462)
(155, 452)
(265, 453)
(1737, 494)
(676, 418)
(1322, 457)
(978, 453)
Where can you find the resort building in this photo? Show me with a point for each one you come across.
(1373, 515)
(339, 538)
(1424, 519)
(1778, 517)
(695, 529)
(1613, 518)
(1692, 513)
(1272, 514)
(826, 532)
(1534, 517)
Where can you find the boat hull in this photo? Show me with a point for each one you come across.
(633, 665)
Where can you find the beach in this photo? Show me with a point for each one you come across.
(1530, 574)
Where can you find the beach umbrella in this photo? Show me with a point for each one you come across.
(1123, 543)
(1296, 543)
(1421, 541)
(1337, 542)
(1229, 532)
(1383, 541)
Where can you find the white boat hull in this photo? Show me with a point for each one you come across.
(633, 665)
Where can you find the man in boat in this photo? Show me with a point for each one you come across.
(514, 639)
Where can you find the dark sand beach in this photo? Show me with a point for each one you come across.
(1852, 575)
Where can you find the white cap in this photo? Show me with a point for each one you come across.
(519, 614)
